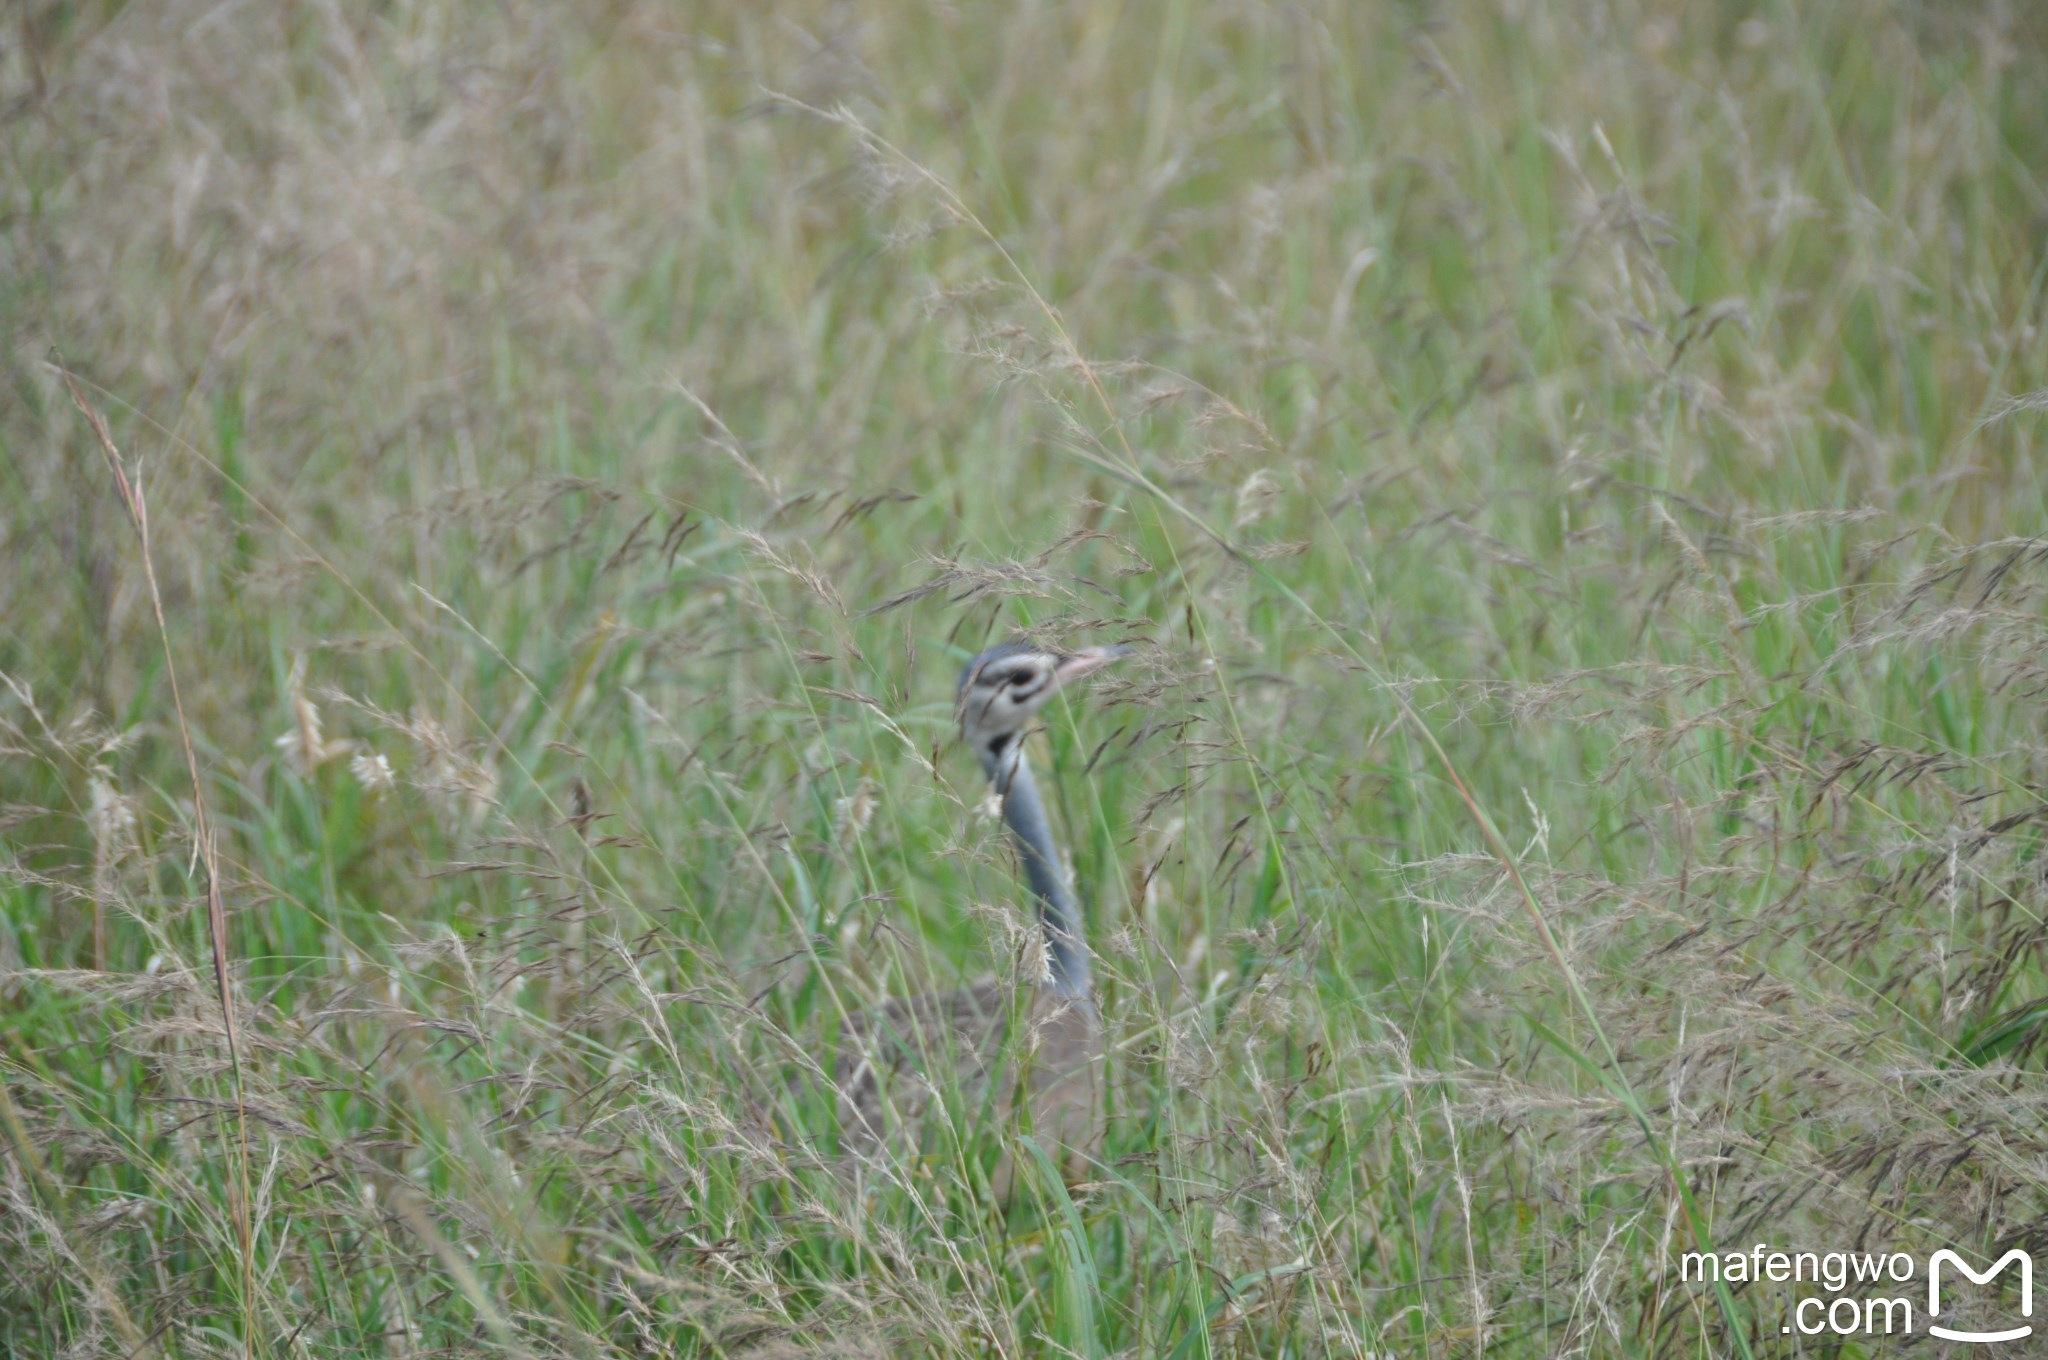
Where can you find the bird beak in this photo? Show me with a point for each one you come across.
(1087, 661)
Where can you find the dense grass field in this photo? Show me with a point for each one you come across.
(1570, 472)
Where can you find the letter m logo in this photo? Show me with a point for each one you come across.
(1946, 1257)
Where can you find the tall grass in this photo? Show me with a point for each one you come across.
(1569, 468)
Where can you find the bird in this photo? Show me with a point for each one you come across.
(1041, 1050)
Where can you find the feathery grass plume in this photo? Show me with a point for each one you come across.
(111, 818)
(372, 770)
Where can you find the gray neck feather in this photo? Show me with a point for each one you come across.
(1010, 773)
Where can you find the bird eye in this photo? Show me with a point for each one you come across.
(1017, 678)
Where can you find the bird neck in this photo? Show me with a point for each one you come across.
(1010, 773)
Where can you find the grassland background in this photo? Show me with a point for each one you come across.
(579, 443)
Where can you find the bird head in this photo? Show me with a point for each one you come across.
(1005, 685)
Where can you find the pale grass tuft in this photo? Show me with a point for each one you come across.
(372, 770)
(303, 747)
(1256, 497)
